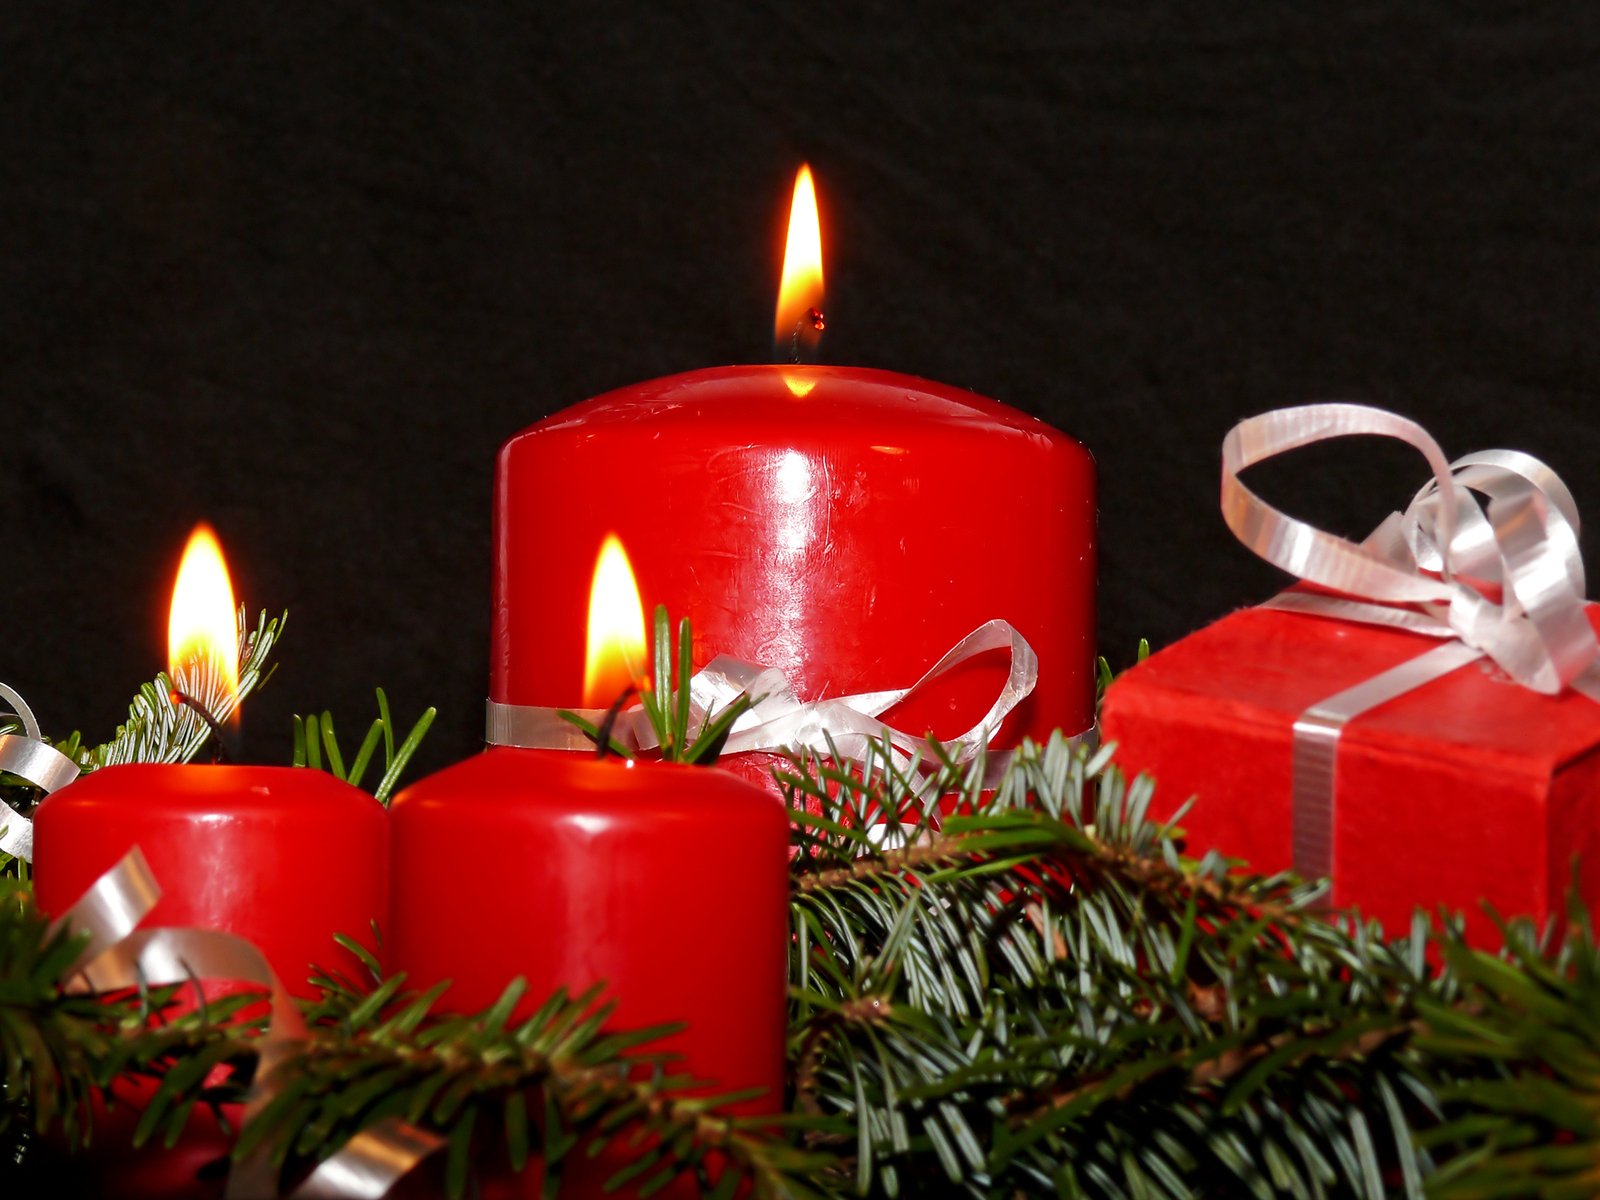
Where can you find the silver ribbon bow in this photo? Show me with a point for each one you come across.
(119, 955)
(1432, 570)
(780, 721)
(28, 756)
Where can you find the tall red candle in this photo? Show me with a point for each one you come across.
(847, 526)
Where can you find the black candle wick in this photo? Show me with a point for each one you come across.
(602, 742)
(806, 333)
(218, 739)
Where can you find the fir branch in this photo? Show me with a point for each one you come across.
(1076, 1006)
(1533, 1128)
(1037, 993)
(314, 736)
(559, 1085)
(683, 733)
(1104, 676)
(59, 1047)
(933, 852)
(556, 1084)
(157, 730)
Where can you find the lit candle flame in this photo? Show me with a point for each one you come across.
(616, 656)
(203, 625)
(798, 325)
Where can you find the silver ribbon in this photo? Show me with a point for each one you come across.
(119, 955)
(779, 720)
(1433, 569)
(28, 756)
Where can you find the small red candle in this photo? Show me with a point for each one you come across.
(283, 857)
(667, 883)
(846, 526)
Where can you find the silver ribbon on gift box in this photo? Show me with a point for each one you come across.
(780, 722)
(117, 954)
(27, 756)
(1502, 581)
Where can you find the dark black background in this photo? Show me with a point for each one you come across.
(299, 269)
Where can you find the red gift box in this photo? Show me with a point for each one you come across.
(1465, 790)
(1422, 725)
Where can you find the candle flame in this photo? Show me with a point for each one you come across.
(203, 625)
(616, 654)
(798, 325)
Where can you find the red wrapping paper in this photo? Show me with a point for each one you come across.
(1470, 789)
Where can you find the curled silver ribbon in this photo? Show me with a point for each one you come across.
(780, 721)
(28, 756)
(1423, 570)
(119, 955)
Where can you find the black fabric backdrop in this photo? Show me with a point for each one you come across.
(299, 269)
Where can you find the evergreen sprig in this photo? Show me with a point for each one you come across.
(556, 1085)
(1104, 675)
(683, 735)
(1021, 991)
(1043, 996)
(314, 738)
(59, 1047)
(158, 730)
(1534, 1130)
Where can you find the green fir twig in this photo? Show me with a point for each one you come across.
(1013, 991)
(157, 730)
(1042, 996)
(314, 737)
(683, 735)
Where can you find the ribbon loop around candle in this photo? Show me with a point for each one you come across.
(778, 721)
(1428, 570)
(119, 955)
(28, 756)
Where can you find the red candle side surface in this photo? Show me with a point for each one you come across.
(668, 883)
(847, 526)
(283, 857)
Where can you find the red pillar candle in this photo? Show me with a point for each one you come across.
(667, 883)
(284, 858)
(846, 526)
